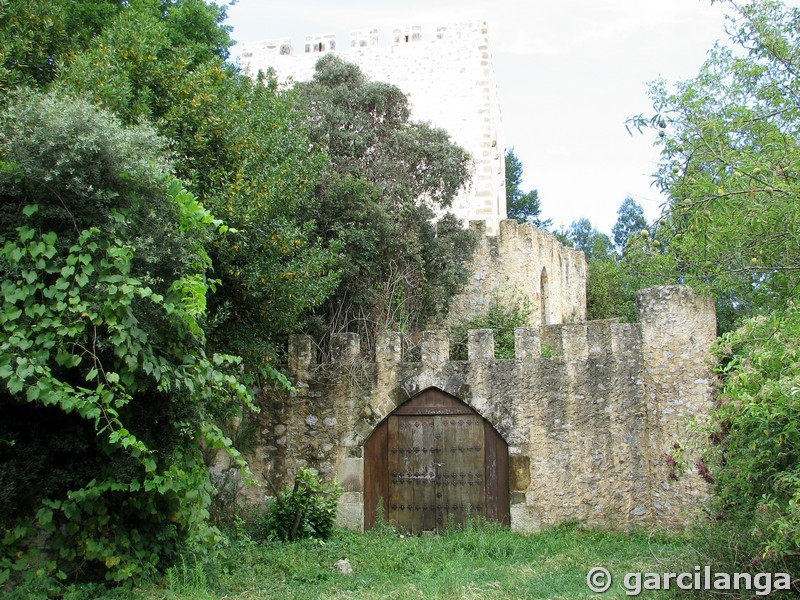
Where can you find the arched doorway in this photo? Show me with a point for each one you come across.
(435, 462)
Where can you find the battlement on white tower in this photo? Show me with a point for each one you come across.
(447, 74)
(320, 43)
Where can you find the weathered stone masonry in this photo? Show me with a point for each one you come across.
(587, 428)
(524, 262)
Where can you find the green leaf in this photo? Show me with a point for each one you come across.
(12, 313)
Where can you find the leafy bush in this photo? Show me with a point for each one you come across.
(308, 510)
(502, 317)
(102, 350)
(754, 437)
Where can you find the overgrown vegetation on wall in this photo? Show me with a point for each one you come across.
(503, 316)
(160, 219)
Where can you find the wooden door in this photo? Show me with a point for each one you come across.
(435, 462)
(436, 472)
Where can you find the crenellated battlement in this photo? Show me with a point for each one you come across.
(558, 343)
(368, 38)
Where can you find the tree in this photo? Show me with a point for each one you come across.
(378, 201)
(614, 277)
(107, 273)
(241, 150)
(522, 206)
(730, 162)
(106, 387)
(36, 36)
(630, 221)
(583, 236)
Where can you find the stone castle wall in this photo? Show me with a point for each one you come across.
(524, 262)
(587, 428)
(448, 76)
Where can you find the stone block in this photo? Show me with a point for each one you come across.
(525, 518)
(527, 343)
(480, 344)
(345, 346)
(301, 353)
(389, 348)
(435, 347)
(350, 511)
(519, 472)
(350, 472)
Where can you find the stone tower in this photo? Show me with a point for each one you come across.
(448, 76)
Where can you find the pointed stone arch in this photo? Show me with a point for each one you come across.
(434, 461)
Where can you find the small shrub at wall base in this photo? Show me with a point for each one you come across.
(308, 510)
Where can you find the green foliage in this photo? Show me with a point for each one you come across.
(609, 292)
(241, 150)
(630, 222)
(106, 347)
(36, 36)
(617, 271)
(502, 317)
(249, 158)
(141, 52)
(583, 236)
(188, 580)
(730, 162)
(83, 169)
(754, 449)
(522, 206)
(376, 202)
(308, 510)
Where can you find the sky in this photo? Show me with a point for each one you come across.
(569, 74)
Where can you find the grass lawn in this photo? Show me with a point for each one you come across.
(475, 563)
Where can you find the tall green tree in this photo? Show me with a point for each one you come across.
(730, 161)
(240, 148)
(630, 221)
(38, 36)
(525, 207)
(583, 236)
(382, 202)
(618, 270)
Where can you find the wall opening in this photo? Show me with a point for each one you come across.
(435, 463)
(544, 294)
